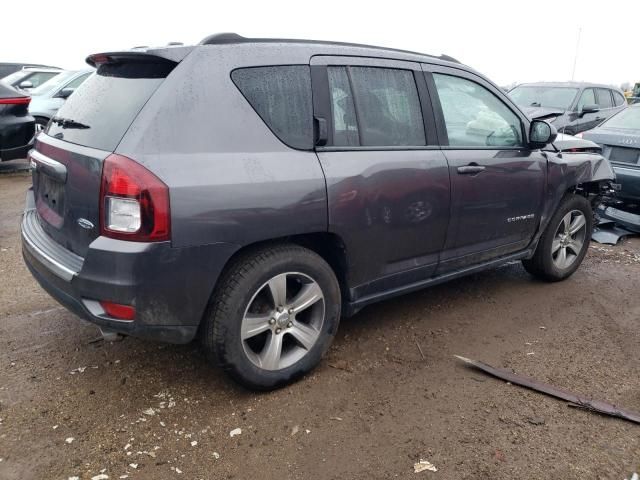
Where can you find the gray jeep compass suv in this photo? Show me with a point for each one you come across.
(249, 192)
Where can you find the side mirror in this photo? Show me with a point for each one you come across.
(541, 134)
(25, 84)
(590, 108)
(65, 93)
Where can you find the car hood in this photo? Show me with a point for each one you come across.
(621, 137)
(542, 112)
(565, 142)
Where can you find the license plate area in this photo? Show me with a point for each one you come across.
(624, 155)
(50, 199)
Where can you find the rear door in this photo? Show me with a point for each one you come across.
(68, 156)
(387, 180)
(497, 182)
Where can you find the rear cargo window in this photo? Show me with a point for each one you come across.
(101, 110)
(281, 95)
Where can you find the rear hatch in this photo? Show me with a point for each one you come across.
(69, 155)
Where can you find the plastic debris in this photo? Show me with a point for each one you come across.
(102, 476)
(216, 455)
(194, 443)
(295, 430)
(424, 466)
(574, 399)
(69, 440)
(133, 465)
(235, 431)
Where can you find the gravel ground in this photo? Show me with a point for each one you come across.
(70, 407)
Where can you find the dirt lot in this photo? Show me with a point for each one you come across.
(72, 408)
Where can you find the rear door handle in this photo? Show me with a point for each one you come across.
(470, 169)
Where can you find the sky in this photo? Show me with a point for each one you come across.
(509, 41)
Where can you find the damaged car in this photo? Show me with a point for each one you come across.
(619, 138)
(337, 175)
(572, 107)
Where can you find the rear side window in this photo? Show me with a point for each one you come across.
(604, 98)
(375, 106)
(281, 95)
(618, 98)
(101, 110)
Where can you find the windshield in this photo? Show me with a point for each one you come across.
(9, 79)
(51, 84)
(541, 96)
(628, 118)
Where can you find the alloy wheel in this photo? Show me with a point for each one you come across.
(283, 321)
(569, 239)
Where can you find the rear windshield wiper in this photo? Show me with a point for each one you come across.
(68, 123)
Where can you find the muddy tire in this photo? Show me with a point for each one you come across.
(565, 241)
(273, 316)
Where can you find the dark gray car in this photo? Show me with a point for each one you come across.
(619, 138)
(572, 107)
(249, 192)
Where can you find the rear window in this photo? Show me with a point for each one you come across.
(101, 110)
(281, 95)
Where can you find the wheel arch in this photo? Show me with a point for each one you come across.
(328, 246)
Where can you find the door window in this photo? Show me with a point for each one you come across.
(475, 117)
(345, 126)
(604, 98)
(38, 78)
(588, 97)
(374, 106)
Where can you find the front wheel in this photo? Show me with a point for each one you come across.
(565, 241)
(273, 316)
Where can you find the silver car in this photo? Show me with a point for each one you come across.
(30, 77)
(51, 95)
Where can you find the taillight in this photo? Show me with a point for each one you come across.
(134, 203)
(15, 101)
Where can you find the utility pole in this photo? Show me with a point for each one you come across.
(575, 58)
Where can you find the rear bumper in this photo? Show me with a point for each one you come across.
(629, 179)
(169, 287)
(15, 153)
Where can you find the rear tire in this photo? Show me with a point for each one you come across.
(565, 241)
(273, 316)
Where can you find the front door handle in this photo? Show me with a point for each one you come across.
(470, 169)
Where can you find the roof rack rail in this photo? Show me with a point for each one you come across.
(230, 37)
(219, 38)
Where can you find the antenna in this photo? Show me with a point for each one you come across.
(575, 58)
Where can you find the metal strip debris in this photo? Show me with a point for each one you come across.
(575, 399)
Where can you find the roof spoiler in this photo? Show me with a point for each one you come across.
(169, 54)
